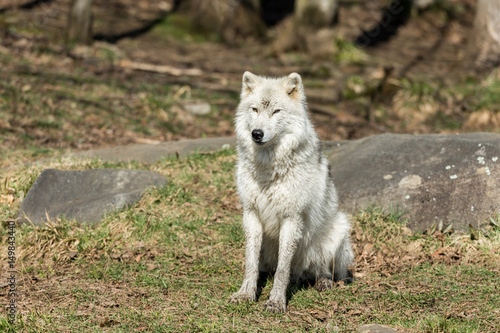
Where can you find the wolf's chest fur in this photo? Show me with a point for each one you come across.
(274, 193)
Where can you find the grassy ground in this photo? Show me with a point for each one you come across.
(45, 106)
(169, 264)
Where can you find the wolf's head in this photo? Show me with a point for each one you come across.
(271, 109)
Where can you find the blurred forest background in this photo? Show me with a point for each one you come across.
(82, 74)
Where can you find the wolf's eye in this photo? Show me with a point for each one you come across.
(255, 110)
(276, 111)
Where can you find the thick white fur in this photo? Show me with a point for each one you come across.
(291, 220)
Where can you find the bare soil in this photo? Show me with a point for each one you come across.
(429, 48)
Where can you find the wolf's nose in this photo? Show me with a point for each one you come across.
(257, 135)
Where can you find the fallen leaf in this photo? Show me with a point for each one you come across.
(139, 257)
(8, 199)
(72, 255)
(319, 315)
(440, 252)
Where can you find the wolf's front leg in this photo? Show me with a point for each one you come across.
(290, 235)
(253, 238)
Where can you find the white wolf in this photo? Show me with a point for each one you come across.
(291, 220)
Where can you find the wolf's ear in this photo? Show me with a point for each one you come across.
(293, 85)
(250, 81)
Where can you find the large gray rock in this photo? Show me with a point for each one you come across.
(84, 195)
(432, 178)
(150, 153)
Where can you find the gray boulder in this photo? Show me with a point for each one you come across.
(431, 178)
(84, 195)
(150, 153)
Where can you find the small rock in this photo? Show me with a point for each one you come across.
(375, 328)
(84, 195)
(196, 108)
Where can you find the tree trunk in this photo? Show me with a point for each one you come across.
(79, 29)
(483, 50)
(316, 13)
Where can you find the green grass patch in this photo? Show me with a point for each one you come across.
(179, 27)
(347, 53)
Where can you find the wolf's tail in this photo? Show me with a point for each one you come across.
(343, 256)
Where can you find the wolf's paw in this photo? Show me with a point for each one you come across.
(323, 284)
(238, 298)
(276, 306)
